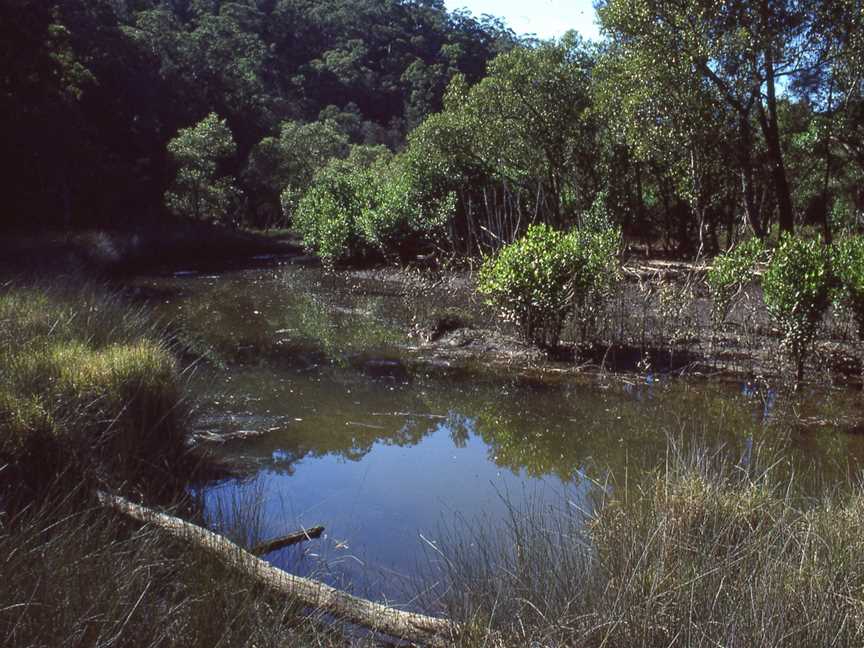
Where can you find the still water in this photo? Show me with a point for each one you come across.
(349, 422)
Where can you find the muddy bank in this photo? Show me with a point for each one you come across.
(657, 322)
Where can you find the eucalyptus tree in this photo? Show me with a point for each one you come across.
(744, 53)
(848, 134)
(517, 147)
(533, 109)
(215, 61)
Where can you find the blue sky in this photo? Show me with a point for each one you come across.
(546, 18)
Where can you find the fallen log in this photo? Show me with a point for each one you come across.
(297, 537)
(368, 614)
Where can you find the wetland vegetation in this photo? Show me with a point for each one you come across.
(559, 340)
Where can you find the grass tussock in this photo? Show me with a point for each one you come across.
(88, 387)
(705, 555)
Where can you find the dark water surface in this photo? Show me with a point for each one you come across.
(354, 427)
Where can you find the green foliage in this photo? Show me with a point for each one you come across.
(198, 190)
(523, 134)
(397, 219)
(674, 114)
(280, 169)
(532, 114)
(797, 288)
(353, 211)
(539, 280)
(731, 273)
(603, 241)
(94, 89)
(441, 150)
(847, 260)
(688, 69)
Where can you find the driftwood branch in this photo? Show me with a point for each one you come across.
(378, 617)
(297, 537)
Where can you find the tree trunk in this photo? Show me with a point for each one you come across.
(771, 131)
(289, 540)
(826, 180)
(641, 225)
(751, 209)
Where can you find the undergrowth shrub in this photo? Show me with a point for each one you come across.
(88, 387)
(539, 280)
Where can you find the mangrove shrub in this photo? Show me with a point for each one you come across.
(326, 216)
(848, 266)
(353, 211)
(541, 279)
(796, 289)
(731, 273)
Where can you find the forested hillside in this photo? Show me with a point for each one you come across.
(386, 128)
(91, 91)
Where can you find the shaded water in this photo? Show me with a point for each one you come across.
(353, 425)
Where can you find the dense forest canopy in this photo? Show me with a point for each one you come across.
(691, 124)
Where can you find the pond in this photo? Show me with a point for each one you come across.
(319, 391)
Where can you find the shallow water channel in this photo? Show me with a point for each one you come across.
(349, 422)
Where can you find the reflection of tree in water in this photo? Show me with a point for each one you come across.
(516, 444)
(556, 432)
(520, 424)
(281, 452)
(549, 434)
(561, 430)
(460, 428)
